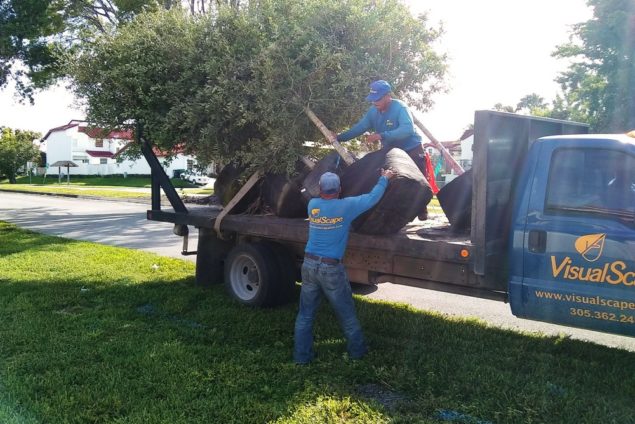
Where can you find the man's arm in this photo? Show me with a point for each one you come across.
(358, 129)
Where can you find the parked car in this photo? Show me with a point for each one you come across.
(195, 177)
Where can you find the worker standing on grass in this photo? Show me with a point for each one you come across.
(323, 273)
(392, 124)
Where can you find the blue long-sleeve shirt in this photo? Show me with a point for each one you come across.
(330, 220)
(395, 126)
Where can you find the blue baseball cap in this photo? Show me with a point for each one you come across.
(329, 183)
(378, 89)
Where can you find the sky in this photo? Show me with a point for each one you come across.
(499, 51)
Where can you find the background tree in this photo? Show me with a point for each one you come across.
(16, 149)
(504, 108)
(34, 32)
(531, 104)
(599, 85)
(234, 84)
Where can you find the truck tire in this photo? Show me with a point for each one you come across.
(252, 274)
(406, 196)
(289, 272)
(211, 253)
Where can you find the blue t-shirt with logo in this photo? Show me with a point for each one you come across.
(330, 220)
(395, 126)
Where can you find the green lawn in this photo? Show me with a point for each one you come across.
(99, 334)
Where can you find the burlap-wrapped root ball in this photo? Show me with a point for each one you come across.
(405, 197)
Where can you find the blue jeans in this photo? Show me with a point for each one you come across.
(318, 280)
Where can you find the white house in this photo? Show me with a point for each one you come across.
(460, 150)
(98, 154)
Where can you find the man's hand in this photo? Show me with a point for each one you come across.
(388, 173)
(372, 138)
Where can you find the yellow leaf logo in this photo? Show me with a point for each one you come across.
(590, 246)
(315, 212)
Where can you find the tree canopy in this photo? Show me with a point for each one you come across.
(33, 33)
(16, 149)
(234, 84)
(598, 86)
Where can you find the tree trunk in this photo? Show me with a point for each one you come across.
(228, 184)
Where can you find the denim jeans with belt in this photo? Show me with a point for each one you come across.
(330, 280)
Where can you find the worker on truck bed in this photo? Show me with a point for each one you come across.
(392, 124)
(323, 274)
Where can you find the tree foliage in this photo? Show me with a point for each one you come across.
(34, 32)
(599, 85)
(530, 104)
(16, 149)
(234, 85)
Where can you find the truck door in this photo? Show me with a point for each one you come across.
(578, 254)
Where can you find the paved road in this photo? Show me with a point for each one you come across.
(124, 224)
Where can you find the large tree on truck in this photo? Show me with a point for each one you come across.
(234, 85)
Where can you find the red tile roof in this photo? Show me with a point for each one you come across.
(95, 132)
(99, 153)
(178, 149)
(71, 124)
(92, 132)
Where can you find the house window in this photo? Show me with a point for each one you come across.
(99, 142)
(190, 164)
(103, 161)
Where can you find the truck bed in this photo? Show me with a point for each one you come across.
(431, 239)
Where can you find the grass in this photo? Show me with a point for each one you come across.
(99, 334)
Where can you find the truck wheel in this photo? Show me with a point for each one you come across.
(210, 257)
(252, 274)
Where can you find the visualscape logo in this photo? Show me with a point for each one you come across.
(590, 247)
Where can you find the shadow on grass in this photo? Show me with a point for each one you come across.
(18, 240)
(156, 351)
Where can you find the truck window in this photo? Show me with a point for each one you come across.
(593, 181)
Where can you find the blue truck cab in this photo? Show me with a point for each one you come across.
(572, 241)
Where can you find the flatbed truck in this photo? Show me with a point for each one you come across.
(549, 232)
